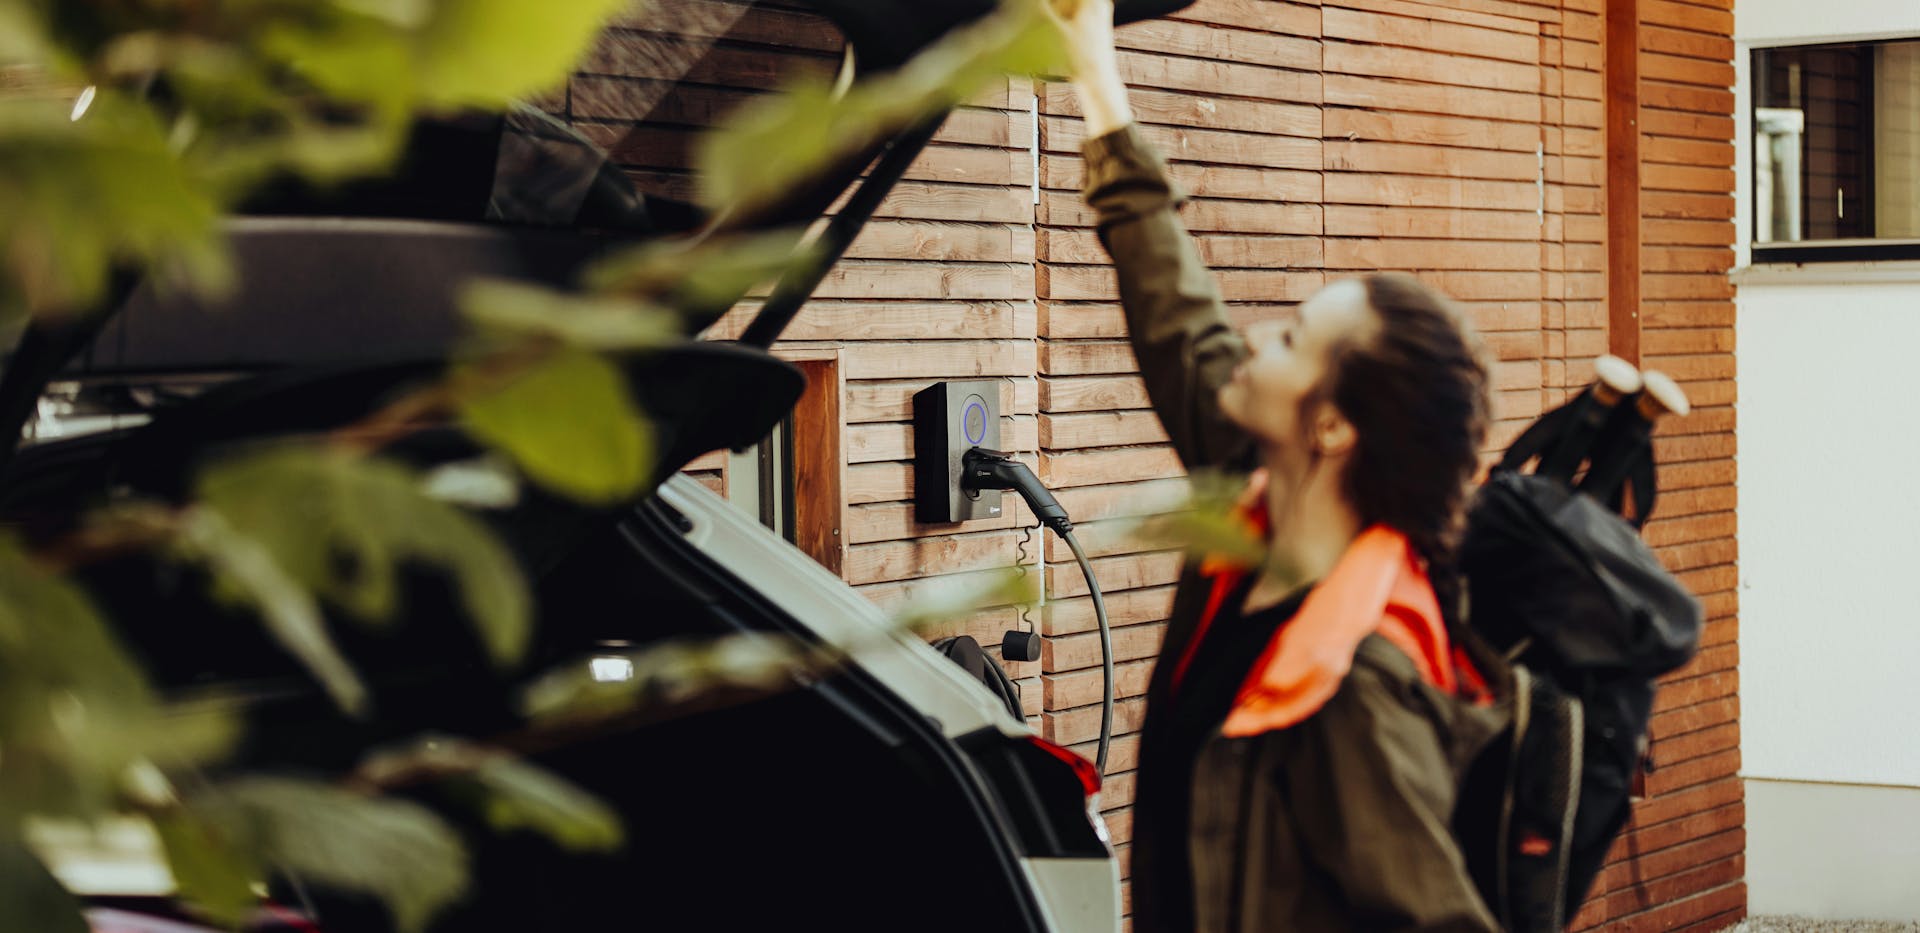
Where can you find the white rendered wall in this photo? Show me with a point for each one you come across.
(1829, 543)
(1834, 851)
(1799, 22)
(1830, 532)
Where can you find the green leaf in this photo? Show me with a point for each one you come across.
(30, 897)
(596, 323)
(210, 872)
(937, 599)
(356, 58)
(22, 41)
(511, 793)
(521, 795)
(813, 129)
(193, 732)
(1209, 523)
(80, 198)
(244, 570)
(571, 424)
(701, 278)
(341, 525)
(395, 850)
(1206, 534)
(75, 711)
(324, 89)
(488, 52)
(664, 679)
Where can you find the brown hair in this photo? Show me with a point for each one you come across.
(1415, 392)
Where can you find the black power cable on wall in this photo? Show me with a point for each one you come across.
(992, 469)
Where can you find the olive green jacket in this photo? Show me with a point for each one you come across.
(1341, 822)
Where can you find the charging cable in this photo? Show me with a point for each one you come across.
(992, 469)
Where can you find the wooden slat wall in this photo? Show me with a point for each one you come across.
(1681, 864)
(1462, 140)
(1232, 94)
(939, 286)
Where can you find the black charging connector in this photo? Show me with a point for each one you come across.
(992, 469)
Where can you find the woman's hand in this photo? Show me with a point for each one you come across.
(1087, 26)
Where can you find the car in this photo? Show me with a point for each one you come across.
(893, 792)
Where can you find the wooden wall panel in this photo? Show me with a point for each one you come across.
(1466, 141)
(1681, 862)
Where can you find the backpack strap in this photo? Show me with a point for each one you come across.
(1536, 439)
(1623, 458)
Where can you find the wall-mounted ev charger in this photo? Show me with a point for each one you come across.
(958, 473)
(949, 419)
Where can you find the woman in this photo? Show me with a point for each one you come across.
(1302, 743)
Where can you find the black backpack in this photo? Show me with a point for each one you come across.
(1561, 585)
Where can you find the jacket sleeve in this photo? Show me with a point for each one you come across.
(1372, 792)
(1181, 338)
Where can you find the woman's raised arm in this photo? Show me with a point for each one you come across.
(1179, 330)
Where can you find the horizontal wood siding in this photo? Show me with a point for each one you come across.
(1461, 140)
(1681, 862)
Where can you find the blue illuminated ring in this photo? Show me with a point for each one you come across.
(966, 421)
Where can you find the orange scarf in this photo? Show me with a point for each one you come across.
(1379, 585)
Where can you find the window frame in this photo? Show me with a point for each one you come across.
(1875, 249)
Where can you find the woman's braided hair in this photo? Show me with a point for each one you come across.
(1415, 392)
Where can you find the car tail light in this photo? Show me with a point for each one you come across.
(1054, 809)
(1082, 768)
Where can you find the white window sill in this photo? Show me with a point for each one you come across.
(1888, 272)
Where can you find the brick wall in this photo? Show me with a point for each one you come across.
(1462, 140)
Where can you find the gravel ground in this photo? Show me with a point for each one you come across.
(1809, 925)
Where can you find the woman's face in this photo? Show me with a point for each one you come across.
(1287, 359)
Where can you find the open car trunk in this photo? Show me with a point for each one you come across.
(349, 296)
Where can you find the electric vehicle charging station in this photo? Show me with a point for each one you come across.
(958, 475)
(949, 419)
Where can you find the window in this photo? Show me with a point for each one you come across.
(760, 479)
(792, 480)
(1836, 133)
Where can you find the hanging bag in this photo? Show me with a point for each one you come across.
(1563, 586)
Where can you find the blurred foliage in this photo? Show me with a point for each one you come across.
(395, 849)
(510, 793)
(813, 126)
(664, 678)
(571, 424)
(211, 871)
(518, 796)
(730, 267)
(245, 571)
(937, 599)
(80, 198)
(158, 113)
(513, 313)
(1213, 524)
(343, 526)
(687, 675)
(76, 712)
(30, 897)
(128, 128)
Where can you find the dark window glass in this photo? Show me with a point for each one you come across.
(1837, 143)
